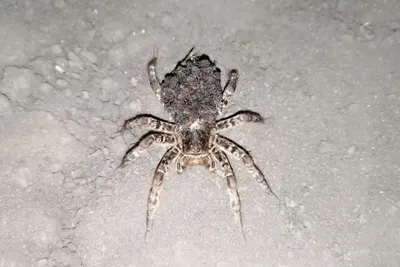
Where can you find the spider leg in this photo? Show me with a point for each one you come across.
(240, 153)
(144, 142)
(238, 118)
(152, 122)
(154, 81)
(211, 163)
(155, 190)
(230, 88)
(180, 164)
(187, 57)
(232, 187)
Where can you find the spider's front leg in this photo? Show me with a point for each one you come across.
(144, 142)
(151, 122)
(232, 187)
(240, 153)
(238, 118)
(229, 88)
(155, 190)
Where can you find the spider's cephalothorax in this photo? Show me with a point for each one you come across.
(192, 94)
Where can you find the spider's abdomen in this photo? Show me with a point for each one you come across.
(193, 90)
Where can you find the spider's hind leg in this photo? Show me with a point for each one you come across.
(149, 121)
(153, 78)
(229, 88)
(239, 118)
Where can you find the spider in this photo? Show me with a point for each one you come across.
(194, 97)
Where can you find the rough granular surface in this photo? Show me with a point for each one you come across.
(325, 74)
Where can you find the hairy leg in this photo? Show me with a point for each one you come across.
(154, 81)
(230, 88)
(153, 123)
(180, 164)
(146, 140)
(238, 118)
(211, 163)
(232, 187)
(240, 153)
(189, 55)
(155, 190)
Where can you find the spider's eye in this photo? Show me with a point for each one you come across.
(195, 148)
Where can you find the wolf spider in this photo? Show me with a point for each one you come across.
(192, 94)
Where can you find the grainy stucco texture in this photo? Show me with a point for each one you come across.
(326, 74)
